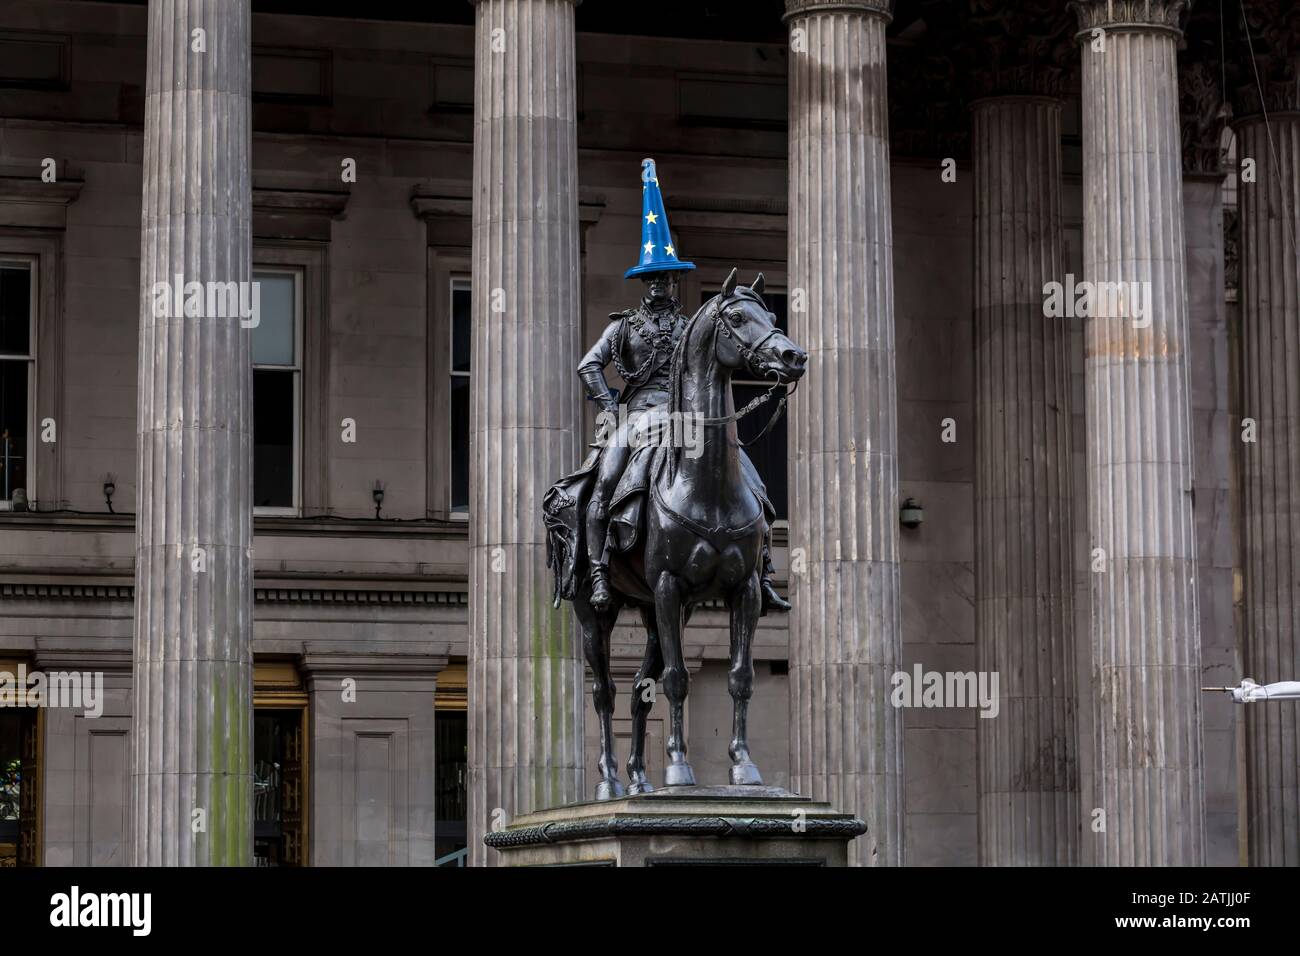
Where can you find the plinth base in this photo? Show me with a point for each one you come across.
(682, 826)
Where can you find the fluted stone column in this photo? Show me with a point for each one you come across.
(845, 737)
(1027, 754)
(192, 732)
(1270, 376)
(526, 699)
(1144, 623)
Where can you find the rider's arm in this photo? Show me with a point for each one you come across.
(592, 368)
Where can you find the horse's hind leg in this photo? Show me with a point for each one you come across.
(643, 699)
(596, 627)
(746, 605)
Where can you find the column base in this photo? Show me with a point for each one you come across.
(683, 826)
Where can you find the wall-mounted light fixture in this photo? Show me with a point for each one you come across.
(109, 487)
(378, 494)
(911, 515)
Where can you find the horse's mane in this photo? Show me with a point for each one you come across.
(678, 365)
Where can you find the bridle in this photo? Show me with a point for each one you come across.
(750, 354)
(676, 371)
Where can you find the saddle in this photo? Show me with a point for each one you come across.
(564, 511)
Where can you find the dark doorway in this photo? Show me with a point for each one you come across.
(278, 787)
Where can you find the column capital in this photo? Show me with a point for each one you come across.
(1149, 16)
(1264, 73)
(800, 8)
(1202, 113)
(1025, 49)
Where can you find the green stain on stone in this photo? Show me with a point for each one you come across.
(552, 641)
(539, 666)
(228, 803)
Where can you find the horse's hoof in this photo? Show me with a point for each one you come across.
(679, 775)
(745, 775)
(609, 790)
(639, 784)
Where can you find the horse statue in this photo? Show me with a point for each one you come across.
(686, 526)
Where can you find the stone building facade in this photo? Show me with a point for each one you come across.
(308, 559)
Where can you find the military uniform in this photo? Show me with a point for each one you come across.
(639, 342)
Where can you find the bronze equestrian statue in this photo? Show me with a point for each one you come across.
(648, 523)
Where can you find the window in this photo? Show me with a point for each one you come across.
(17, 375)
(277, 391)
(768, 453)
(460, 395)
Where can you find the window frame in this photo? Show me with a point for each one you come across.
(31, 359)
(299, 309)
(456, 282)
(445, 264)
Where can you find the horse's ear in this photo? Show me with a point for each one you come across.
(729, 286)
(757, 284)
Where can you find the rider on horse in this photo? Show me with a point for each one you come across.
(640, 343)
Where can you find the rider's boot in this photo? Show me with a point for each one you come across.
(600, 596)
(771, 600)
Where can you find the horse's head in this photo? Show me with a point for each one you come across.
(748, 337)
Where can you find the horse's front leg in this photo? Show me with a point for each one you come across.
(643, 700)
(746, 605)
(596, 628)
(670, 613)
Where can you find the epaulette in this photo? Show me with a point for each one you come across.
(615, 316)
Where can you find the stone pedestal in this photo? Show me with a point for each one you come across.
(683, 826)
